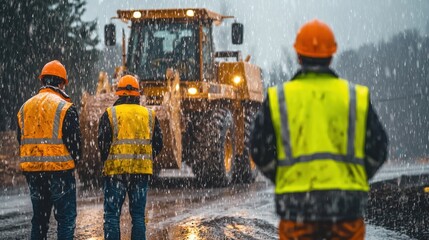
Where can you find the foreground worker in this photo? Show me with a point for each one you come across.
(318, 138)
(129, 138)
(49, 139)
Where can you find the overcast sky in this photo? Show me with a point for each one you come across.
(272, 24)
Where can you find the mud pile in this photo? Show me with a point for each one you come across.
(10, 174)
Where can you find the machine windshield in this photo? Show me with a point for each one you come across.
(156, 46)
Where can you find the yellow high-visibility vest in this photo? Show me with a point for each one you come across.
(320, 127)
(41, 120)
(131, 149)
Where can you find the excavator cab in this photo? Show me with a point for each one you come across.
(177, 39)
(155, 46)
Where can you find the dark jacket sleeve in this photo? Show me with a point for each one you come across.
(376, 143)
(157, 142)
(71, 133)
(263, 142)
(104, 136)
(18, 133)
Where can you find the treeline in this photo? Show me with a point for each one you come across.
(397, 73)
(34, 33)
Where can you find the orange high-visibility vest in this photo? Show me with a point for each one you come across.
(41, 120)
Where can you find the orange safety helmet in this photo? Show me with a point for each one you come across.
(55, 68)
(128, 86)
(315, 39)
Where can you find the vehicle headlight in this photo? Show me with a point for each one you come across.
(192, 91)
(190, 13)
(237, 79)
(137, 14)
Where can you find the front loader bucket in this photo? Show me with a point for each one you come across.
(169, 117)
(90, 167)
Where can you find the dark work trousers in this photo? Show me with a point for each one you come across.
(116, 188)
(52, 189)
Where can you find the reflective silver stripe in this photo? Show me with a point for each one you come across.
(269, 167)
(284, 128)
(56, 129)
(349, 158)
(21, 112)
(115, 123)
(321, 156)
(352, 121)
(46, 159)
(150, 123)
(41, 141)
(131, 141)
(129, 156)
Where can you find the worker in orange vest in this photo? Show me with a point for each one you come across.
(49, 139)
(129, 138)
(319, 140)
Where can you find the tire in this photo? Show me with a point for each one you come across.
(246, 170)
(213, 153)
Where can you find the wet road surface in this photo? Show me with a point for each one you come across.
(176, 209)
(172, 213)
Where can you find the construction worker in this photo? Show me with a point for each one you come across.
(129, 138)
(319, 140)
(49, 138)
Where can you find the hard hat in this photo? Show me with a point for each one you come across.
(55, 68)
(315, 39)
(128, 86)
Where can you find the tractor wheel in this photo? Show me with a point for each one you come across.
(246, 170)
(213, 151)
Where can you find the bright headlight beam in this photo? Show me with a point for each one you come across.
(190, 13)
(137, 14)
(236, 79)
(192, 91)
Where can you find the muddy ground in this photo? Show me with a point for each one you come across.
(177, 208)
(188, 212)
(172, 213)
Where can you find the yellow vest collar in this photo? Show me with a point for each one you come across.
(314, 72)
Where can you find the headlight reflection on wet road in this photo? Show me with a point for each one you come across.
(191, 230)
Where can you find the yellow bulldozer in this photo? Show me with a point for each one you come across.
(204, 99)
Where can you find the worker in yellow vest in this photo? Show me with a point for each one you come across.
(49, 138)
(129, 138)
(319, 140)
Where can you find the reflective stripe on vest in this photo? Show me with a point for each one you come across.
(46, 159)
(38, 150)
(131, 149)
(115, 126)
(348, 158)
(129, 156)
(320, 151)
(131, 141)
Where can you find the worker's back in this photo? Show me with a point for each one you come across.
(311, 139)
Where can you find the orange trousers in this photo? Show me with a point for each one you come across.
(346, 229)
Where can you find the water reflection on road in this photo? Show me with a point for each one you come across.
(176, 209)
